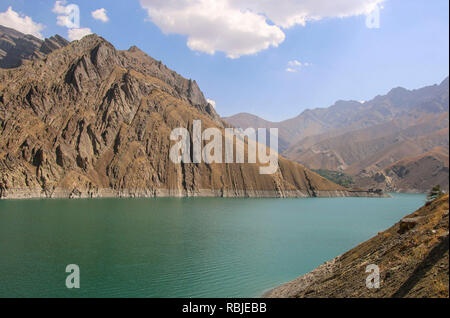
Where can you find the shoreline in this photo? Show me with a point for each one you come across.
(24, 194)
(391, 252)
(290, 288)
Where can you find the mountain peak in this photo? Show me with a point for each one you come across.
(18, 48)
(89, 120)
(398, 90)
(53, 43)
(91, 41)
(134, 49)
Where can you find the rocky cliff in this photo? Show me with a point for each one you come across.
(87, 120)
(412, 257)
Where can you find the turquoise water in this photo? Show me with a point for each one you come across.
(202, 247)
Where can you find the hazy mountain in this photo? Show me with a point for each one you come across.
(89, 120)
(16, 47)
(367, 139)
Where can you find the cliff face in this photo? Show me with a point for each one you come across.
(412, 257)
(88, 120)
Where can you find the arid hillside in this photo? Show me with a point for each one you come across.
(87, 120)
(366, 140)
(412, 257)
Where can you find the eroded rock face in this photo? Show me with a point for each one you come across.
(52, 44)
(88, 120)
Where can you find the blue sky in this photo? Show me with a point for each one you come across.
(341, 57)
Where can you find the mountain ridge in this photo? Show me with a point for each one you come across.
(87, 120)
(344, 136)
(17, 48)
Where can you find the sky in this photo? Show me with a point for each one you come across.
(270, 58)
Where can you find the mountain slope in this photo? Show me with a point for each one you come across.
(16, 47)
(365, 139)
(412, 173)
(346, 116)
(412, 257)
(307, 124)
(89, 121)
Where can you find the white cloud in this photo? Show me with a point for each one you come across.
(64, 21)
(60, 8)
(214, 26)
(21, 23)
(294, 63)
(212, 102)
(287, 13)
(294, 66)
(78, 34)
(68, 15)
(100, 15)
(242, 27)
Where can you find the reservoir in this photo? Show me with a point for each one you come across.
(171, 247)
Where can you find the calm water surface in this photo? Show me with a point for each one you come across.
(203, 247)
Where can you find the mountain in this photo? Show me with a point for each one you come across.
(412, 257)
(417, 172)
(87, 120)
(366, 140)
(16, 47)
(291, 130)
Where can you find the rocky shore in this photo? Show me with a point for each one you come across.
(413, 258)
(162, 193)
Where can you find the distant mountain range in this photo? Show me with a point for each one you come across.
(397, 142)
(83, 119)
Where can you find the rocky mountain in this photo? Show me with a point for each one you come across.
(16, 47)
(87, 120)
(418, 173)
(412, 257)
(371, 141)
(291, 130)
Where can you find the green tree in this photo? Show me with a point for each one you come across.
(435, 193)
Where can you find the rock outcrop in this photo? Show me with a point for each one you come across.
(412, 257)
(52, 44)
(87, 120)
